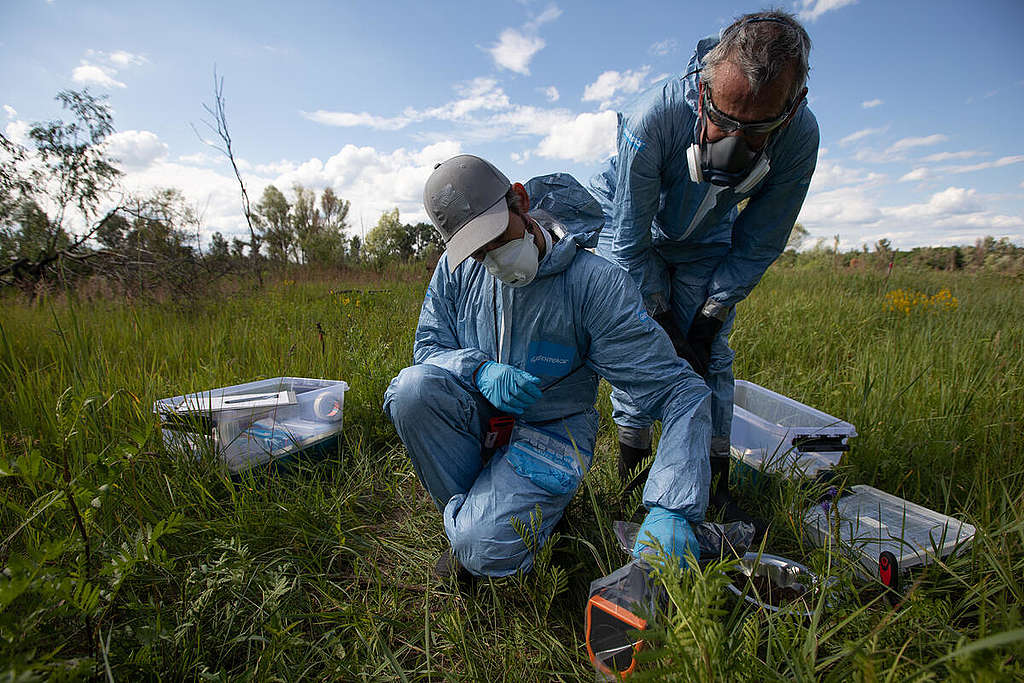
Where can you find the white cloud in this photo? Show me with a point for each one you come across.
(588, 137)
(954, 200)
(861, 134)
(998, 163)
(870, 104)
(611, 83)
(10, 111)
(551, 93)
(372, 180)
(955, 215)
(17, 132)
(830, 175)
(477, 94)
(202, 159)
(897, 150)
(482, 110)
(550, 13)
(135, 149)
(100, 68)
(915, 175)
(122, 59)
(812, 9)
(90, 74)
(946, 156)
(515, 49)
(839, 210)
(909, 143)
(664, 48)
(346, 119)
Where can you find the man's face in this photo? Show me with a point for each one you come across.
(731, 96)
(515, 230)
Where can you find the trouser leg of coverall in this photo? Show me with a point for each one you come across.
(442, 426)
(509, 513)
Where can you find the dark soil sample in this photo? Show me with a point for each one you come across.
(762, 589)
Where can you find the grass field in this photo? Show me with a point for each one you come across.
(123, 561)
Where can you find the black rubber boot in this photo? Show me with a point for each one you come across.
(629, 459)
(723, 502)
(447, 566)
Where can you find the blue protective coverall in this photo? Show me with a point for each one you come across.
(579, 320)
(685, 243)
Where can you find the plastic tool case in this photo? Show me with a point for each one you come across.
(867, 523)
(256, 423)
(772, 433)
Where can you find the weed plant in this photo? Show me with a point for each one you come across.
(122, 561)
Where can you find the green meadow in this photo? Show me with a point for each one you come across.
(121, 561)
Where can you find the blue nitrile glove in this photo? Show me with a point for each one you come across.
(508, 389)
(671, 530)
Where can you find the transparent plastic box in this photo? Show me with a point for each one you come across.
(772, 433)
(252, 424)
(868, 522)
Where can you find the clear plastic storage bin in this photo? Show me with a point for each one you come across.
(254, 423)
(772, 433)
(868, 522)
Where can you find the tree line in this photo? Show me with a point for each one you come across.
(64, 217)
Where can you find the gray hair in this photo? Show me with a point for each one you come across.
(765, 46)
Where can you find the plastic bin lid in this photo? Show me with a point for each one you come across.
(771, 409)
(871, 521)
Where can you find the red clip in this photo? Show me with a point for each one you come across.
(499, 431)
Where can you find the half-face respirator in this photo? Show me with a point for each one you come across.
(728, 162)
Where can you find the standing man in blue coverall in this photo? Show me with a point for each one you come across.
(520, 321)
(734, 126)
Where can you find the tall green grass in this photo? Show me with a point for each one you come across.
(122, 560)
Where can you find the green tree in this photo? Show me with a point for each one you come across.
(797, 237)
(319, 228)
(328, 244)
(389, 239)
(28, 233)
(162, 225)
(306, 220)
(427, 240)
(219, 249)
(275, 224)
(68, 172)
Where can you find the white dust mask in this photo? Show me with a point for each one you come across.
(514, 263)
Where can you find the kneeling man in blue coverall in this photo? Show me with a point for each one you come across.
(519, 323)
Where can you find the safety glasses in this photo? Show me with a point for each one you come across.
(730, 125)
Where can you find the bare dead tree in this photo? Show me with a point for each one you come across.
(219, 127)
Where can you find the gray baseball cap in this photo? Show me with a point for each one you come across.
(465, 199)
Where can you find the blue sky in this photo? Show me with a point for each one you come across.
(920, 103)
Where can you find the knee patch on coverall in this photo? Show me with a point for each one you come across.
(537, 473)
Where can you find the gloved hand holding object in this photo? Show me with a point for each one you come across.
(681, 344)
(623, 602)
(702, 333)
(671, 530)
(509, 389)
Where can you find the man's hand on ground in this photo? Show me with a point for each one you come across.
(671, 530)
